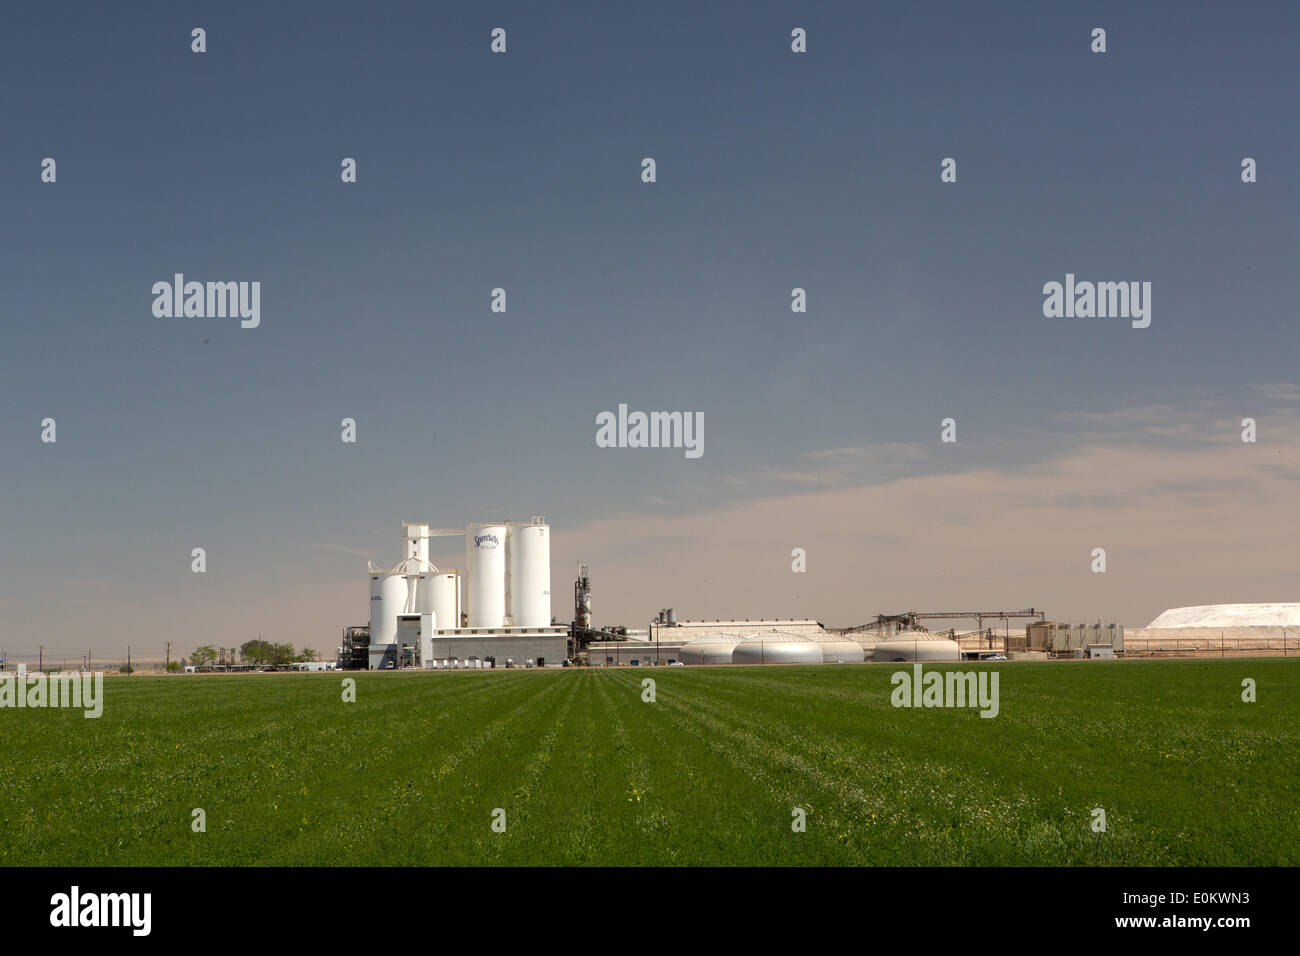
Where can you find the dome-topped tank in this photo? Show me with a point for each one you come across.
(839, 650)
(709, 649)
(777, 647)
(916, 646)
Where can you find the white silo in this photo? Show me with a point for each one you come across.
(420, 598)
(387, 599)
(486, 544)
(446, 598)
(530, 574)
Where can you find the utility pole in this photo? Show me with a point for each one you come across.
(169, 656)
(128, 658)
(41, 665)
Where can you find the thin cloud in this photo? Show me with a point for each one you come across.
(1282, 392)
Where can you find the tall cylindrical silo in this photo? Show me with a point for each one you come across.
(486, 544)
(530, 574)
(420, 600)
(446, 598)
(387, 600)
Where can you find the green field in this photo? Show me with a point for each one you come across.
(588, 773)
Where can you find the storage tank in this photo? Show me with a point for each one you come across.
(867, 640)
(486, 544)
(530, 574)
(387, 600)
(837, 649)
(777, 647)
(916, 646)
(709, 649)
(419, 599)
(445, 598)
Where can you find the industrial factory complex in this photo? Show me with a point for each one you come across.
(496, 612)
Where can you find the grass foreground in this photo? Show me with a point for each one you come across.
(711, 772)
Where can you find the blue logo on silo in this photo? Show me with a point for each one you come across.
(480, 538)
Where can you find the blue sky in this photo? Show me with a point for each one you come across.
(775, 170)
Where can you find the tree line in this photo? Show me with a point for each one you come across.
(254, 652)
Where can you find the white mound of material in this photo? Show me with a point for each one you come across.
(1231, 615)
